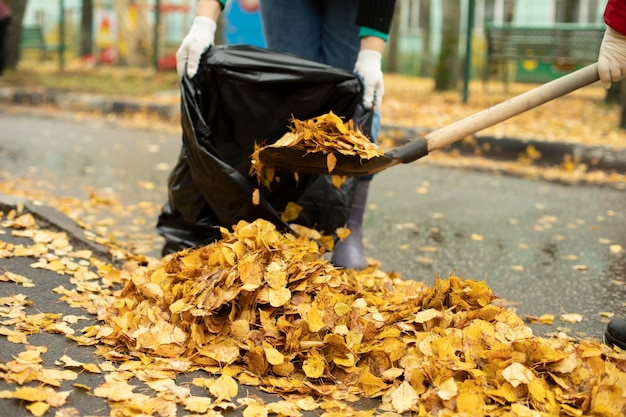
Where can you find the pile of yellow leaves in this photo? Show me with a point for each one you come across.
(263, 308)
(327, 134)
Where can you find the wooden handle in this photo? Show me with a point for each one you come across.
(511, 107)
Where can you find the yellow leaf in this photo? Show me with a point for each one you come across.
(279, 297)
(283, 408)
(179, 306)
(274, 357)
(517, 374)
(341, 309)
(448, 389)
(224, 388)
(471, 397)
(314, 365)
(426, 315)
(256, 197)
(275, 276)
(115, 391)
(198, 404)
(331, 162)
(151, 290)
(307, 403)
(38, 409)
(315, 320)
(571, 318)
(371, 384)
(403, 397)
(338, 180)
(255, 410)
(342, 232)
(91, 367)
(291, 212)
(18, 279)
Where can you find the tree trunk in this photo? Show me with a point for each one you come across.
(86, 28)
(613, 94)
(392, 44)
(448, 64)
(570, 12)
(425, 70)
(622, 101)
(15, 32)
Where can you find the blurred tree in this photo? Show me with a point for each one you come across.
(570, 12)
(613, 94)
(86, 28)
(622, 101)
(424, 24)
(15, 32)
(447, 72)
(392, 45)
(617, 95)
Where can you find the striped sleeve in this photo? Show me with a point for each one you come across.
(376, 16)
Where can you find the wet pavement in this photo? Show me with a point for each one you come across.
(545, 248)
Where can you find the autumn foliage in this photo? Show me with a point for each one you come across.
(265, 309)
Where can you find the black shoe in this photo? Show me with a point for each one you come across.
(615, 334)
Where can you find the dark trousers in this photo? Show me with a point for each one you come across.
(4, 26)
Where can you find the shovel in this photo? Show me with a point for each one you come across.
(303, 161)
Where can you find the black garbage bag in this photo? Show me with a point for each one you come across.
(244, 95)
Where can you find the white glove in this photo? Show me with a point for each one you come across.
(368, 67)
(200, 38)
(612, 58)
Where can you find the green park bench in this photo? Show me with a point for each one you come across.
(565, 45)
(33, 38)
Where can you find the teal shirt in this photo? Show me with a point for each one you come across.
(365, 31)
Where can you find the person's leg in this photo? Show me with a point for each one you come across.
(350, 253)
(324, 31)
(340, 47)
(340, 34)
(293, 26)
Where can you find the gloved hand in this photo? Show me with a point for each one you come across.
(368, 67)
(612, 58)
(200, 38)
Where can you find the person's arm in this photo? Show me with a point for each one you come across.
(200, 37)
(210, 8)
(374, 17)
(612, 56)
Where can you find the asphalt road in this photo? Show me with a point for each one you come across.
(543, 247)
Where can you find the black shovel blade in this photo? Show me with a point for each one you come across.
(304, 162)
(299, 160)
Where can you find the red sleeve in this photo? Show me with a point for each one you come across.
(615, 15)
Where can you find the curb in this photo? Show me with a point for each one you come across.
(503, 148)
(507, 149)
(87, 102)
(48, 217)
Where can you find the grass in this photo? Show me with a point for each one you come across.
(580, 117)
(105, 80)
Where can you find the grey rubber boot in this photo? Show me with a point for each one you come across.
(350, 253)
(615, 334)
